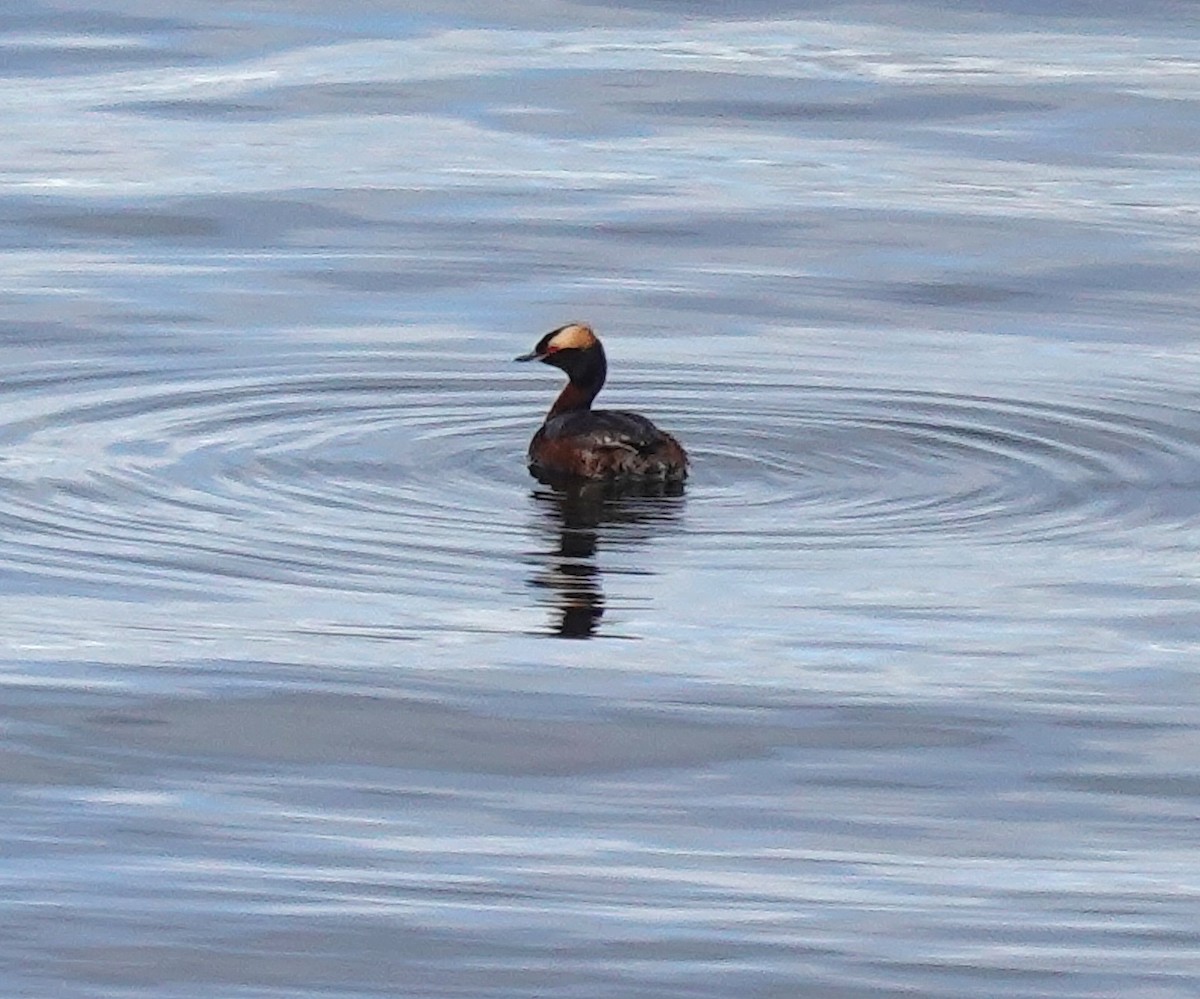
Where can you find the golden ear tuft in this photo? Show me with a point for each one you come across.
(576, 335)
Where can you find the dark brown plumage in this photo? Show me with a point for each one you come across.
(578, 442)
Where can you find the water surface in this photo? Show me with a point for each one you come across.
(310, 689)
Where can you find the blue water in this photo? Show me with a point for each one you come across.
(310, 690)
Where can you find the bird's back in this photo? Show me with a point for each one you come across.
(606, 443)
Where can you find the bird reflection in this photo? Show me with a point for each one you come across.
(578, 516)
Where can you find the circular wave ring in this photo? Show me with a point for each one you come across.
(416, 481)
(341, 481)
(864, 466)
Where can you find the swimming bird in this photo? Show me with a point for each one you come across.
(578, 442)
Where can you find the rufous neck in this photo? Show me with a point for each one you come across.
(573, 397)
(586, 370)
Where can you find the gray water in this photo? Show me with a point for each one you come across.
(310, 690)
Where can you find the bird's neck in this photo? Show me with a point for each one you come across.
(586, 382)
(574, 396)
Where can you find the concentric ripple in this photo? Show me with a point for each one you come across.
(819, 465)
(349, 479)
(344, 475)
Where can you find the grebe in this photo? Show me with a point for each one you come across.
(578, 442)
